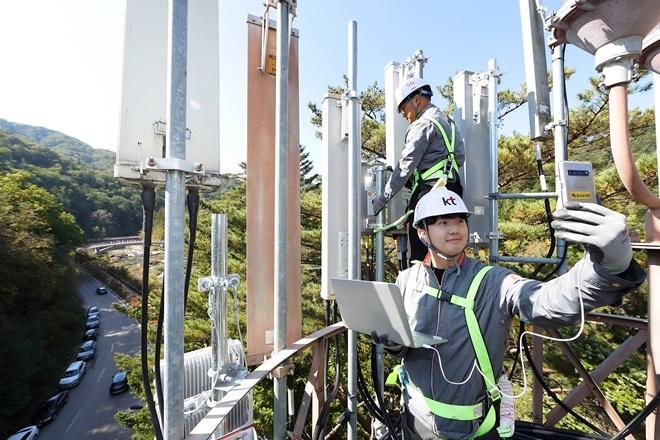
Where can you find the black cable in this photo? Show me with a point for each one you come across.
(369, 403)
(554, 396)
(391, 430)
(324, 413)
(567, 113)
(193, 210)
(639, 418)
(534, 274)
(159, 344)
(533, 431)
(148, 204)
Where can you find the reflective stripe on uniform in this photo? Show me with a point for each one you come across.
(461, 412)
(442, 165)
(447, 410)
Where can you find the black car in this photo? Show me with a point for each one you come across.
(101, 290)
(119, 383)
(48, 410)
(91, 334)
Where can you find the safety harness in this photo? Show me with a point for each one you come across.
(447, 166)
(446, 410)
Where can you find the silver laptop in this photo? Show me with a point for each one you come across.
(368, 306)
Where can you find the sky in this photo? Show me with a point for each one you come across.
(62, 60)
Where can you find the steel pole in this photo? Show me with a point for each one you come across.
(492, 145)
(380, 221)
(380, 276)
(560, 139)
(281, 200)
(560, 130)
(175, 188)
(353, 232)
(219, 275)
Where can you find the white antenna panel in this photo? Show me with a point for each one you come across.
(143, 116)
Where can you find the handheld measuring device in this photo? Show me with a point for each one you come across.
(576, 183)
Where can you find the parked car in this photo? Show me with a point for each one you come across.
(48, 410)
(86, 351)
(101, 290)
(93, 310)
(27, 433)
(91, 334)
(73, 374)
(92, 322)
(119, 383)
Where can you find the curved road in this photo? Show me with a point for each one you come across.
(90, 411)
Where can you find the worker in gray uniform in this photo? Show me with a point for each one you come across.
(433, 149)
(451, 390)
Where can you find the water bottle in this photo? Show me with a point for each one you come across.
(507, 413)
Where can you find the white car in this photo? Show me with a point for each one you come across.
(27, 433)
(73, 374)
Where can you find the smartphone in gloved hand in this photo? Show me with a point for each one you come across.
(576, 183)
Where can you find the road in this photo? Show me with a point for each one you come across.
(90, 411)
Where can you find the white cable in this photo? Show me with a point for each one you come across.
(550, 338)
(442, 370)
(522, 359)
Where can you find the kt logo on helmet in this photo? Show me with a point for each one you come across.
(449, 201)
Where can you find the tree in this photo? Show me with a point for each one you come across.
(307, 179)
(39, 318)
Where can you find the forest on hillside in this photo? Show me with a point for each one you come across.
(52, 203)
(100, 206)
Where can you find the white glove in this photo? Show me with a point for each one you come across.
(378, 203)
(603, 232)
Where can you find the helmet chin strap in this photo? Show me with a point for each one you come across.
(416, 109)
(437, 252)
(433, 249)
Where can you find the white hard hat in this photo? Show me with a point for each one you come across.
(439, 201)
(407, 87)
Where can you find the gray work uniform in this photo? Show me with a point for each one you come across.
(501, 295)
(424, 147)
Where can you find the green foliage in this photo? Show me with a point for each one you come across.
(41, 322)
(99, 205)
(67, 146)
(138, 420)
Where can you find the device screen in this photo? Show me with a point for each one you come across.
(576, 180)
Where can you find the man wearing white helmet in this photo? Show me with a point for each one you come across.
(433, 148)
(472, 305)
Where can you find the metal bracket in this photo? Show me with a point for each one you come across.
(413, 64)
(292, 4)
(283, 371)
(170, 164)
(351, 94)
(160, 127)
(207, 284)
(552, 125)
(265, 24)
